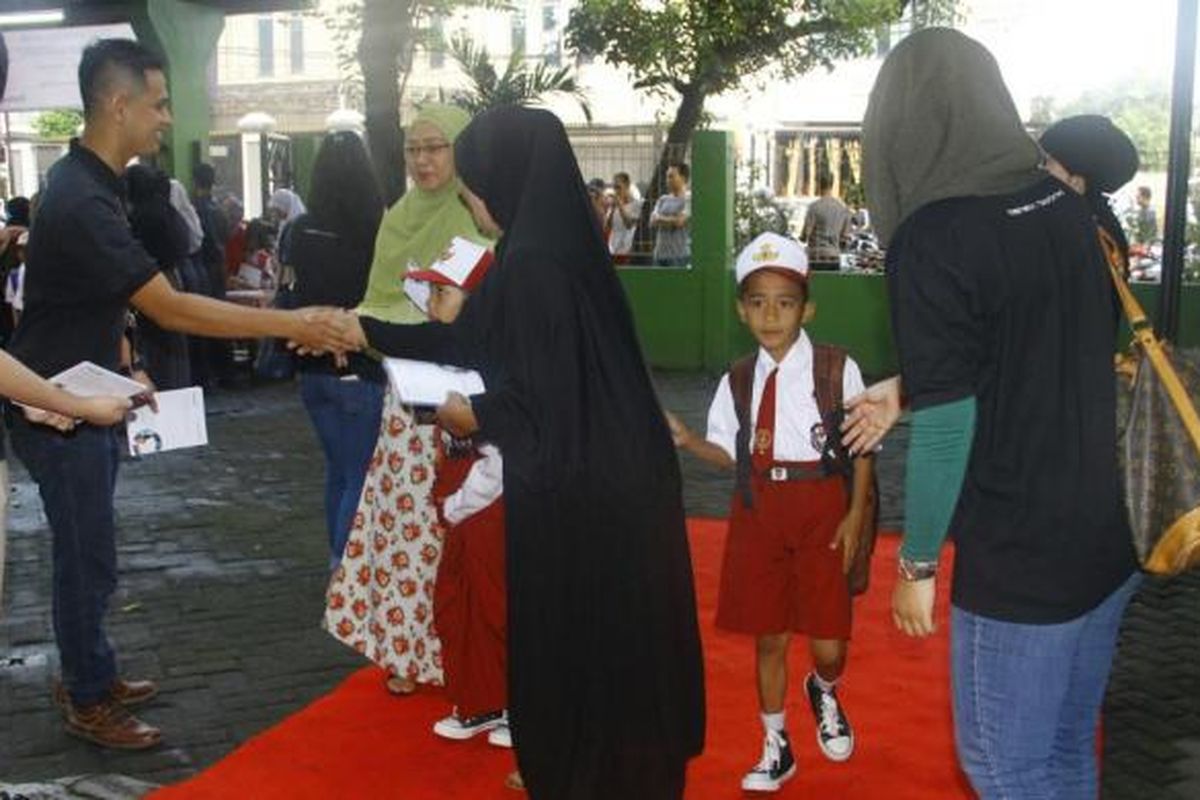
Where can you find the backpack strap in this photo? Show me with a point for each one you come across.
(741, 386)
(829, 366)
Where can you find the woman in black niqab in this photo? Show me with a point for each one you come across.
(606, 695)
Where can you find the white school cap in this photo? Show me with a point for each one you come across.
(772, 251)
(463, 264)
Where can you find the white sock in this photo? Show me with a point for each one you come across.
(773, 722)
(822, 684)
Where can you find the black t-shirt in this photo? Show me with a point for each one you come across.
(331, 270)
(83, 265)
(1008, 299)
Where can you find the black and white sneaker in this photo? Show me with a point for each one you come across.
(460, 728)
(500, 736)
(835, 737)
(774, 768)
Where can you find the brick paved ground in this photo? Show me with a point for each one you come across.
(223, 565)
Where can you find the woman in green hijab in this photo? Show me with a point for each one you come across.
(380, 597)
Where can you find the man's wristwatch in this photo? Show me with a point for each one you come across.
(912, 570)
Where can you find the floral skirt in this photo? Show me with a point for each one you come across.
(380, 599)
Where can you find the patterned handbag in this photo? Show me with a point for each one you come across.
(1159, 446)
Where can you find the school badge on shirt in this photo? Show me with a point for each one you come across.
(763, 441)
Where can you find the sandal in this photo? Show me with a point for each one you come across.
(398, 686)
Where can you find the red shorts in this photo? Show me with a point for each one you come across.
(779, 574)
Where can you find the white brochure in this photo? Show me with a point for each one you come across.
(420, 383)
(89, 380)
(179, 422)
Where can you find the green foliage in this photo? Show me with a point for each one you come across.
(930, 13)
(520, 84)
(1139, 107)
(344, 20)
(61, 123)
(715, 44)
(756, 211)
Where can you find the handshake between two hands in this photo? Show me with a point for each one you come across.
(327, 331)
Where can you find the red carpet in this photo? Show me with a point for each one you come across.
(358, 742)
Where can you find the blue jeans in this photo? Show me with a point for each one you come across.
(1027, 700)
(346, 414)
(76, 475)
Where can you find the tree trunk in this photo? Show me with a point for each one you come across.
(687, 119)
(386, 28)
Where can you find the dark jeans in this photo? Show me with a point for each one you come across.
(76, 475)
(346, 414)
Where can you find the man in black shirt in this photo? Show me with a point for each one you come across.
(84, 269)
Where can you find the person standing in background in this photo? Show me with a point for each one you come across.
(213, 359)
(1146, 230)
(333, 244)
(826, 228)
(169, 239)
(672, 220)
(623, 218)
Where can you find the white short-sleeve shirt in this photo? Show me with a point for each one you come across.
(795, 403)
(483, 486)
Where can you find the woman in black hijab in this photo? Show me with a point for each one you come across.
(605, 671)
(1097, 159)
(164, 234)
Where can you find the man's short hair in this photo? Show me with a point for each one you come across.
(204, 176)
(824, 181)
(682, 169)
(622, 177)
(1144, 191)
(105, 61)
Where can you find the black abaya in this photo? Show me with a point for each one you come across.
(605, 670)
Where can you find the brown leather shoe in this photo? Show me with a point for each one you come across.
(132, 693)
(109, 724)
(127, 693)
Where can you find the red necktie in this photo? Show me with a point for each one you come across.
(764, 429)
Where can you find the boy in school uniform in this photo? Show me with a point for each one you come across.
(469, 604)
(794, 524)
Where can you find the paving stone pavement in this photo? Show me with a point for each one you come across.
(223, 566)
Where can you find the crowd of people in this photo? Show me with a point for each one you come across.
(619, 207)
(525, 548)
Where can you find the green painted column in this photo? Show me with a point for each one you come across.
(712, 242)
(185, 34)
